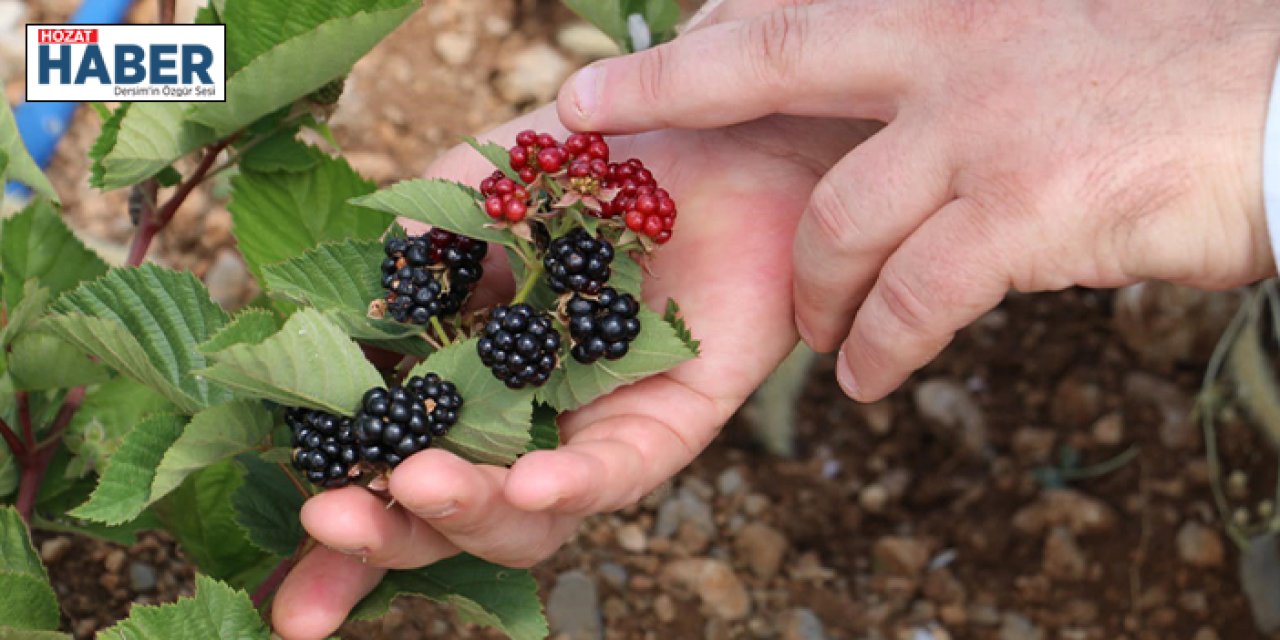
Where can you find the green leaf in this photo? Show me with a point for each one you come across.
(146, 322)
(200, 517)
(282, 151)
(29, 601)
(105, 142)
(481, 592)
(493, 426)
(342, 279)
(124, 489)
(494, 153)
(309, 363)
(672, 317)
(25, 314)
(213, 435)
(542, 297)
(657, 349)
(8, 471)
(250, 326)
(216, 612)
(9, 633)
(279, 215)
(36, 245)
(439, 203)
(150, 136)
(606, 15)
(267, 506)
(279, 52)
(42, 361)
(627, 275)
(168, 177)
(544, 434)
(20, 166)
(108, 413)
(661, 16)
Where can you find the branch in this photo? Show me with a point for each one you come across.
(167, 11)
(24, 418)
(155, 220)
(37, 461)
(10, 438)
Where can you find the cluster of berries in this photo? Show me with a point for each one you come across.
(390, 425)
(430, 275)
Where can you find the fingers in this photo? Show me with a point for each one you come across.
(317, 595)
(464, 503)
(829, 59)
(358, 523)
(615, 454)
(952, 270)
(856, 217)
(713, 13)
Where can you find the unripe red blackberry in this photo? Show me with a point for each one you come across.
(604, 327)
(324, 446)
(504, 198)
(578, 262)
(519, 345)
(644, 206)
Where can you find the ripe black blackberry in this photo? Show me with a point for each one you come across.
(430, 275)
(578, 262)
(324, 446)
(519, 345)
(393, 424)
(603, 327)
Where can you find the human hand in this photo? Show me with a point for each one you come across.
(1030, 145)
(740, 191)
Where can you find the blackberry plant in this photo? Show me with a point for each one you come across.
(130, 400)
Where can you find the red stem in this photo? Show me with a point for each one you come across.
(273, 580)
(37, 458)
(167, 11)
(24, 418)
(154, 220)
(10, 438)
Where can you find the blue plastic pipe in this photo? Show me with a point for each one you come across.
(42, 124)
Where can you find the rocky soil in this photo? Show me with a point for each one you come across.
(1044, 479)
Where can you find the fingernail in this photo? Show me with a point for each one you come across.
(803, 331)
(438, 511)
(586, 90)
(358, 551)
(844, 376)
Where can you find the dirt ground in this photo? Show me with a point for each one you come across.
(930, 515)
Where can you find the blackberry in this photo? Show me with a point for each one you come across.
(643, 206)
(519, 345)
(324, 446)
(393, 424)
(603, 327)
(578, 262)
(415, 292)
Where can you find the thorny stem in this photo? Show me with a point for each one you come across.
(530, 281)
(10, 438)
(24, 418)
(153, 220)
(36, 460)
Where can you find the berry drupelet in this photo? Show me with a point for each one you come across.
(603, 327)
(393, 424)
(643, 206)
(519, 345)
(324, 446)
(578, 262)
(504, 199)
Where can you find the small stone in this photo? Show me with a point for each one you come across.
(1205, 633)
(762, 548)
(730, 482)
(587, 41)
(953, 615)
(1109, 430)
(949, 404)
(616, 608)
(983, 614)
(879, 417)
(614, 575)
(942, 586)
(142, 576)
(632, 538)
(85, 628)
(533, 74)
(227, 279)
(455, 48)
(53, 549)
(1080, 513)
(1063, 558)
(684, 507)
(114, 561)
(802, 624)
(713, 581)
(573, 607)
(1034, 444)
(1200, 546)
(1017, 627)
(664, 608)
(755, 504)
(874, 498)
(1075, 403)
(1177, 430)
(900, 555)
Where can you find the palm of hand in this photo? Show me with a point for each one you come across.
(740, 193)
